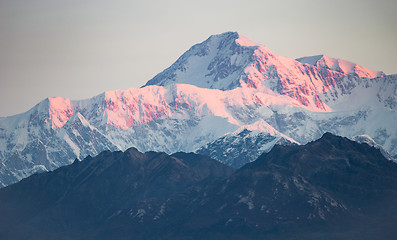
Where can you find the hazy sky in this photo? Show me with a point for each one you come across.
(77, 49)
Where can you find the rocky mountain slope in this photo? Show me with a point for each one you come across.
(86, 194)
(332, 188)
(220, 87)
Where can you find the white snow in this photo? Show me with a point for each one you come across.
(340, 65)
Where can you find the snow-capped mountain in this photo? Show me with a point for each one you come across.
(245, 144)
(229, 60)
(219, 87)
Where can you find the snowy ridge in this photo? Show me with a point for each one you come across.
(245, 144)
(368, 140)
(339, 65)
(222, 87)
(229, 60)
(262, 126)
(354, 93)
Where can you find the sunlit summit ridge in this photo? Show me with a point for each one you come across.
(229, 60)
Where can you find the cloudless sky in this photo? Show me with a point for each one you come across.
(78, 48)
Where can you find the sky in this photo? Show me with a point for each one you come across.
(78, 48)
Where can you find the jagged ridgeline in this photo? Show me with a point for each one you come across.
(332, 188)
(222, 92)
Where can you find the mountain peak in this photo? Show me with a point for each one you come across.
(216, 63)
(226, 35)
(328, 135)
(234, 37)
(77, 118)
(229, 60)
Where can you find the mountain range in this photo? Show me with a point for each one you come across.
(226, 90)
(332, 188)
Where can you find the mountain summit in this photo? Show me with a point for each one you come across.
(217, 63)
(230, 60)
(222, 92)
